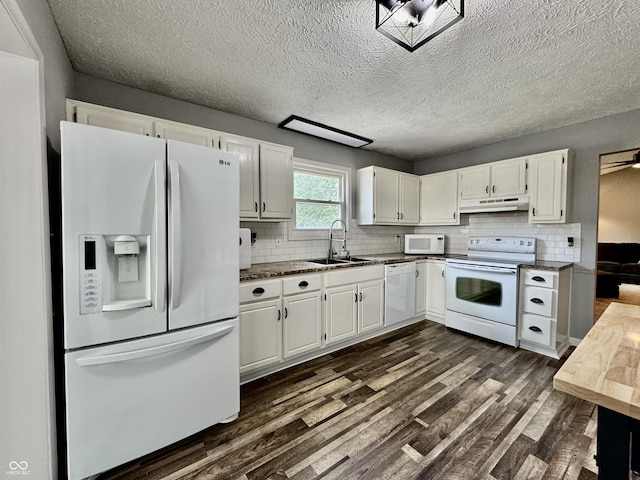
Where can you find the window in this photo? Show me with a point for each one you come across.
(320, 193)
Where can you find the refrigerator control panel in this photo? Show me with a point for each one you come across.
(90, 276)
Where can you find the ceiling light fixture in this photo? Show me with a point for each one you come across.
(302, 125)
(412, 23)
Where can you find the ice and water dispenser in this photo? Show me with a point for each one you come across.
(115, 273)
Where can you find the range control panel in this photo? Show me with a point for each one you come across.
(502, 244)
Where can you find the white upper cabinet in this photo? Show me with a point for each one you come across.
(276, 181)
(248, 151)
(439, 199)
(409, 199)
(474, 182)
(186, 133)
(548, 182)
(266, 177)
(497, 179)
(104, 117)
(387, 197)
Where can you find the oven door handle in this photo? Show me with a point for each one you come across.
(484, 268)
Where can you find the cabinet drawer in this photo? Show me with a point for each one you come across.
(308, 283)
(354, 275)
(540, 301)
(540, 278)
(260, 290)
(536, 329)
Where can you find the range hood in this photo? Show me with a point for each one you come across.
(502, 204)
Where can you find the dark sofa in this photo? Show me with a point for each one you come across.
(617, 263)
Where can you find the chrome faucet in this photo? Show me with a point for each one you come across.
(332, 250)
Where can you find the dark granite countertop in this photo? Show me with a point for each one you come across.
(546, 265)
(261, 271)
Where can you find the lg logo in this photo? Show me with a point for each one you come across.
(222, 162)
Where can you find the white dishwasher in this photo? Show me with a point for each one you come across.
(399, 292)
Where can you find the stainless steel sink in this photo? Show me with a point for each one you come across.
(338, 261)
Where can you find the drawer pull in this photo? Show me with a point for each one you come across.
(303, 284)
(537, 300)
(538, 278)
(258, 291)
(533, 328)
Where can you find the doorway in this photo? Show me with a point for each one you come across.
(618, 249)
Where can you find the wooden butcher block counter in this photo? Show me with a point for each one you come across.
(605, 369)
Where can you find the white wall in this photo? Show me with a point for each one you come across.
(36, 76)
(619, 219)
(26, 348)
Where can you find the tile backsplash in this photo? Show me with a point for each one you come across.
(272, 243)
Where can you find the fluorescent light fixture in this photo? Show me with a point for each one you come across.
(412, 23)
(302, 125)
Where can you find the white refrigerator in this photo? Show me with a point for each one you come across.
(150, 293)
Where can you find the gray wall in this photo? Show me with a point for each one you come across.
(58, 74)
(588, 141)
(103, 92)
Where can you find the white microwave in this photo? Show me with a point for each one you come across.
(424, 243)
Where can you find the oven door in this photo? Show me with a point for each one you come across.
(485, 292)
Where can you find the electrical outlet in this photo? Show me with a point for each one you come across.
(278, 242)
(398, 237)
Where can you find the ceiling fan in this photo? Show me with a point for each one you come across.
(620, 160)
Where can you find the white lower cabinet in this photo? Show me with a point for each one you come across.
(302, 317)
(341, 313)
(421, 287)
(354, 302)
(282, 320)
(544, 311)
(370, 306)
(260, 334)
(435, 303)
(260, 324)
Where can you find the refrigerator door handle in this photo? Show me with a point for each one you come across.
(152, 351)
(175, 253)
(159, 292)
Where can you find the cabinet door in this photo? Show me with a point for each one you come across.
(114, 119)
(435, 288)
(409, 199)
(439, 199)
(248, 152)
(421, 287)
(260, 335)
(509, 177)
(473, 182)
(186, 133)
(371, 306)
(548, 180)
(276, 181)
(341, 313)
(386, 192)
(301, 325)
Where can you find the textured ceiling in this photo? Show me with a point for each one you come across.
(508, 69)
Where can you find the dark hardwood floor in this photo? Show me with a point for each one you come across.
(424, 402)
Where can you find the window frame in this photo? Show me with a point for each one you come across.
(321, 168)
